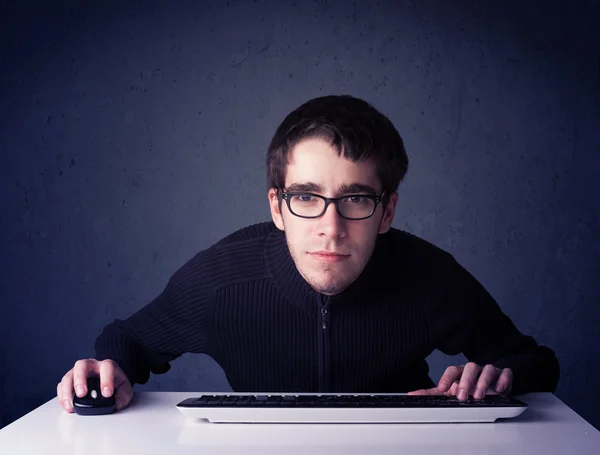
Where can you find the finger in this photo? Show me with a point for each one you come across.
(454, 389)
(504, 383)
(487, 378)
(123, 388)
(418, 392)
(66, 394)
(124, 395)
(451, 374)
(81, 371)
(468, 380)
(107, 377)
(435, 391)
(432, 391)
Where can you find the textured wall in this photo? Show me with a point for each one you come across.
(133, 136)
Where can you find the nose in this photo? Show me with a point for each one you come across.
(331, 224)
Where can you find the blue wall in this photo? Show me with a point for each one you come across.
(134, 136)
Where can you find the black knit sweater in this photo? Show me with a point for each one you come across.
(244, 303)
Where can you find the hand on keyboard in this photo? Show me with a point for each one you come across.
(471, 380)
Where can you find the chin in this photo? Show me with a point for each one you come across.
(333, 285)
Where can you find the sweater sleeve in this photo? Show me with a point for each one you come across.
(172, 324)
(469, 321)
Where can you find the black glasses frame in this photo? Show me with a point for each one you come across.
(328, 200)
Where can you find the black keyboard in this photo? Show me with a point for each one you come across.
(347, 408)
(346, 401)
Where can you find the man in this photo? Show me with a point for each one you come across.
(327, 297)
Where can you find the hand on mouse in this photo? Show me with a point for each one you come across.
(112, 379)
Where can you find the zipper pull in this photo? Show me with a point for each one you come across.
(324, 317)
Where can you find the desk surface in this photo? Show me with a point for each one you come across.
(153, 425)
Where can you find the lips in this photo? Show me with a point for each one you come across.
(328, 256)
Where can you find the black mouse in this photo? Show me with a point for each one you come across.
(93, 403)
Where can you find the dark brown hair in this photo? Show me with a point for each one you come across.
(352, 127)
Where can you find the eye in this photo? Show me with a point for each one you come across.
(356, 199)
(304, 198)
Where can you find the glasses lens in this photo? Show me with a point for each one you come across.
(356, 206)
(306, 205)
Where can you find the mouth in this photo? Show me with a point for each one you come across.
(328, 256)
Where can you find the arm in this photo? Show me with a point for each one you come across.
(172, 324)
(470, 321)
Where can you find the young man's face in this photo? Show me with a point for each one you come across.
(330, 252)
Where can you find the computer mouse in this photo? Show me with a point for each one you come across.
(93, 403)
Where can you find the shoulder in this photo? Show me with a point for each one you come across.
(408, 247)
(239, 256)
(414, 262)
(253, 232)
(433, 269)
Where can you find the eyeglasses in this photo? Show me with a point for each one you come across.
(350, 207)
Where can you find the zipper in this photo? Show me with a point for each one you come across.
(324, 348)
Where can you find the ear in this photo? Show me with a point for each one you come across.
(388, 214)
(275, 211)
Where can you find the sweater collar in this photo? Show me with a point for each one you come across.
(288, 280)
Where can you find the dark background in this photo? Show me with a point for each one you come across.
(133, 135)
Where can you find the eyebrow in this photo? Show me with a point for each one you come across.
(356, 188)
(310, 187)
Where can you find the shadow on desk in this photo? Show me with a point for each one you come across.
(353, 438)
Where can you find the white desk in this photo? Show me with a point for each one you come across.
(152, 425)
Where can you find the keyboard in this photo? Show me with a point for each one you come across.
(347, 408)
